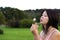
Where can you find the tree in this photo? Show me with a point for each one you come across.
(2, 18)
(13, 16)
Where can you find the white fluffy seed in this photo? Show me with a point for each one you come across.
(34, 19)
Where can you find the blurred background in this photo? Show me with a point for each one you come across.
(16, 17)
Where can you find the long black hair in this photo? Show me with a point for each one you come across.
(53, 19)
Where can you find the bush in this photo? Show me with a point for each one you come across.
(26, 23)
(1, 31)
(13, 24)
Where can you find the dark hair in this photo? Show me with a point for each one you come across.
(53, 19)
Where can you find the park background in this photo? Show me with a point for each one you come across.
(16, 17)
(15, 24)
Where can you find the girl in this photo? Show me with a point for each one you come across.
(49, 20)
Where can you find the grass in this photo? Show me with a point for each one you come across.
(17, 34)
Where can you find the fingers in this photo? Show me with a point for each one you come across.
(34, 27)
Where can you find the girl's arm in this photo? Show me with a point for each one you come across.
(34, 30)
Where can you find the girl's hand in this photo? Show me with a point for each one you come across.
(34, 28)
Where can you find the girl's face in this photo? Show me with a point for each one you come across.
(44, 18)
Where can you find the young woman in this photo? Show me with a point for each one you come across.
(49, 20)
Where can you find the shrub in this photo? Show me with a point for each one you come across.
(1, 31)
(26, 23)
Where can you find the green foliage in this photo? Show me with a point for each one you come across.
(1, 31)
(12, 16)
(26, 23)
(2, 18)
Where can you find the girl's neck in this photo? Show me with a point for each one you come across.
(49, 29)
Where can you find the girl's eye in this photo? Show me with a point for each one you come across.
(45, 15)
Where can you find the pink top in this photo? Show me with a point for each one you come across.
(47, 37)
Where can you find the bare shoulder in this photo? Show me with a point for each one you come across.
(57, 35)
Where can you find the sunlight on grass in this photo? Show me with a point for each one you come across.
(18, 33)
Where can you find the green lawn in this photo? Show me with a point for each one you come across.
(17, 34)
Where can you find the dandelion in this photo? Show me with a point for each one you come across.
(34, 19)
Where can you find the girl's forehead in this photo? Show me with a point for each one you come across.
(44, 13)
